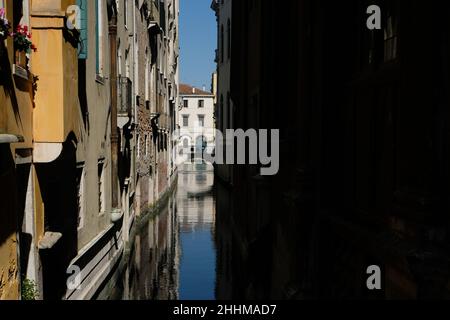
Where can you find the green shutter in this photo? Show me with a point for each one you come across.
(83, 45)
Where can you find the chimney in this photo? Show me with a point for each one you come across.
(193, 90)
(204, 88)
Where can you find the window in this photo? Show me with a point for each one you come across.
(201, 103)
(201, 120)
(127, 64)
(185, 121)
(186, 143)
(146, 145)
(101, 186)
(99, 38)
(390, 39)
(83, 44)
(229, 39)
(136, 68)
(185, 103)
(153, 85)
(21, 12)
(147, 76)
(222, 44)
(80, 195)
(125, 13)
(138, 146)
(21, 15)
(119, 59)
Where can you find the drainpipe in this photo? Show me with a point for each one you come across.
(116, 213)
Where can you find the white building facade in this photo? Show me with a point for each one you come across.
(196, 122)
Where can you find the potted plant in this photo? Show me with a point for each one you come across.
(29, 290)
(22, 44)
(4, 25)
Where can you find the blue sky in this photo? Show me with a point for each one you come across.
(198, 34)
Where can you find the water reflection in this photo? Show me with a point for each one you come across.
(173, 255)
(196, 214)
(152, 271)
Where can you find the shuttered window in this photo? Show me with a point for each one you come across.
(83, 25)
(99, 36)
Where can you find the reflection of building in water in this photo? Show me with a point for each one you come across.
(195, 193)
(152, 271)
(224, 244)
(196, 216)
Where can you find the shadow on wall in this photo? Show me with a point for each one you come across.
(7, 81)
(26, 239)
(8, 207)
(59, 192)
(82, 89)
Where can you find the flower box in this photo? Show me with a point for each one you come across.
(22, 39)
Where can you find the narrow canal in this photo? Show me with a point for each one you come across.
(173, 255)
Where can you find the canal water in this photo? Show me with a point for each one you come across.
(173, 255)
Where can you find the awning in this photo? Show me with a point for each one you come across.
(10, 138)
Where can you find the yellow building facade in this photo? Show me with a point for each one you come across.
(69, 113)
(16, 143)
(39, 112)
